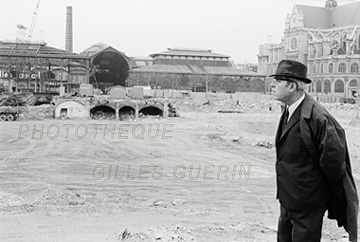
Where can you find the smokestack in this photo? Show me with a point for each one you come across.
(69, 32)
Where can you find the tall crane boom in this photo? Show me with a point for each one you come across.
(31, 29)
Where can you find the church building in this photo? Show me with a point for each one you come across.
(327, 40)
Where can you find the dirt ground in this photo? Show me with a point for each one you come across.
(203, 176)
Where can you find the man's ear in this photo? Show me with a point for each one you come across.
(293, 86)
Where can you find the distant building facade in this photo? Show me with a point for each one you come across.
(327, 40)
(248, 66)
(39, 68)
(197, 70)
(109, 66)
(142, 61)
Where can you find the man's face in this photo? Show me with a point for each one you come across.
(281, 89)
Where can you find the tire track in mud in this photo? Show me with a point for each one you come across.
(104, 150)
(33, 151)
(250, 206)
(28, 166)
(11, 161)
(21, 165)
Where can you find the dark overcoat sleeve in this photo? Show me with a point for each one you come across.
(331, 141)
(326, 140)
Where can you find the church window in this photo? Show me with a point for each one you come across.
(334, 47)
(327, 86)
(294, 20)
(311, 87)
(310, 38)
(342, 68)
(321, 50)
(353, 83)
(320, 37)
(344, 37)
(294, 43)
(339, 86)
(331, 68)
(318, 86)
(354, 68)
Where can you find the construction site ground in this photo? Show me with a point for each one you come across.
(203, 176)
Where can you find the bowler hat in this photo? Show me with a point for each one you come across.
(291, 68)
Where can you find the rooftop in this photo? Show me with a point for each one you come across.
(189, 52)
(320, 17)
(195, 70)
(41, 50)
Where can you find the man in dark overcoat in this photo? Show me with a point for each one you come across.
(313, 170)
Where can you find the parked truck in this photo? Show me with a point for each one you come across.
(9, 113)
(12, 105)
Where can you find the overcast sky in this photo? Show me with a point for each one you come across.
(142, 27)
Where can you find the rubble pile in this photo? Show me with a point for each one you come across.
(53, 199)
(176, 233)
(44, 111)
(14, 204)
(244, 231)
(8, 199)
(17, 99)
(266, 144)
(226, 105)
(59, 99)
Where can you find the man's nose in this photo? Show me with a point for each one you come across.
(272, 84)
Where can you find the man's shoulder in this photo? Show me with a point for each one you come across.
(320, 110)
(315, 110)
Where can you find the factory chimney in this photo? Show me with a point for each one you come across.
(69, 32)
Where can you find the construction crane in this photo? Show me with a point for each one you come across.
(21, 33)
(31, 29)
